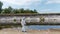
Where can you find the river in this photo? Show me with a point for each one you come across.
(43, 27)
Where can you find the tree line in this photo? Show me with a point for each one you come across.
(10, 10)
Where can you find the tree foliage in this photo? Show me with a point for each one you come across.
(17, 11)
(10, 10)
(1, 6)
(7, 10)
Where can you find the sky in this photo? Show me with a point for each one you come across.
(42, 6)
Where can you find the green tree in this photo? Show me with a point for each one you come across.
(30, 11)
(1, 6)
(27, 11)
(8, 10)
(22, 10)
(16, 11)
(35, 11)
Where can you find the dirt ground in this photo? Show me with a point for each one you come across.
(14, 31)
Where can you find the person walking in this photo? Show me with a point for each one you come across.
(23, 23)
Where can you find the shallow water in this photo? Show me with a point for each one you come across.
(43, 27)
(38, 27)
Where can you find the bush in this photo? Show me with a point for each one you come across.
(14, 20)
(41, 19)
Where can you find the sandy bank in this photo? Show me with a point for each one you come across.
(16, 31)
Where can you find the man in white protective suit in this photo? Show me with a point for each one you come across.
(23, 24)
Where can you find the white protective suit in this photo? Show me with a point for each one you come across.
(23, 24)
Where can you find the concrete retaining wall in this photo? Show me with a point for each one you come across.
(47, 19)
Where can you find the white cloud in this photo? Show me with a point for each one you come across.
(45, 10)
(52, 1)
(20, 2)
(48, 11)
